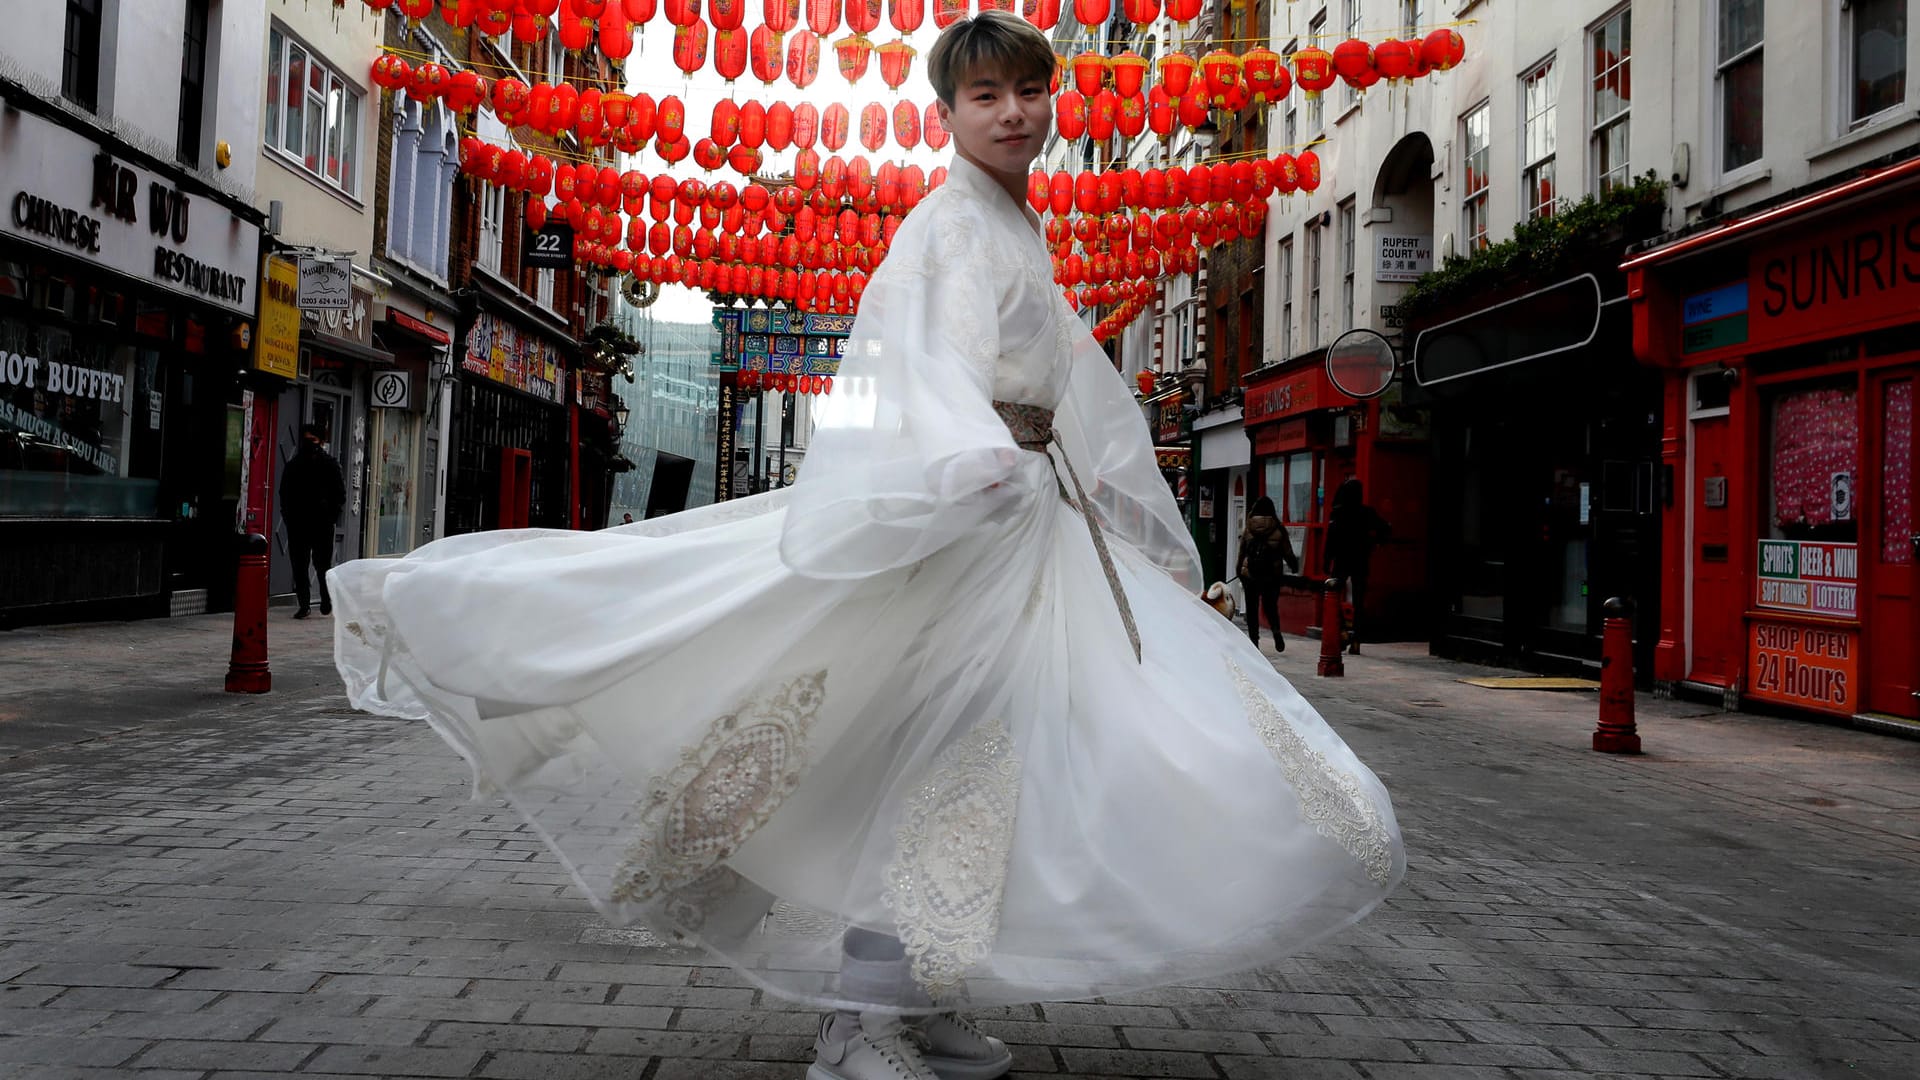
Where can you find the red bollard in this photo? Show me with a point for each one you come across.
(247, 671)
(1616, 734)
(1331, 632)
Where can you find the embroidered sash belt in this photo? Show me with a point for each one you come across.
(1032, 429)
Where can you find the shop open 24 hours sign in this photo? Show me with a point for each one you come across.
(1806, 664)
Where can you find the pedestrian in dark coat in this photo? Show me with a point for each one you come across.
(312, 494)
(1353, 528)
(1266, 552)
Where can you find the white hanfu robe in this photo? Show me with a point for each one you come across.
(907, 694)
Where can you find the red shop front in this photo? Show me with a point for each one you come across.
(1307, 439)
(1791, 345)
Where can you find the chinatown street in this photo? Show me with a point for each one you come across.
(197, 885)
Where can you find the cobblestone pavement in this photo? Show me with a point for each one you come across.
(195, 885)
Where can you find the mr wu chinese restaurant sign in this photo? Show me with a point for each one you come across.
(62, 192)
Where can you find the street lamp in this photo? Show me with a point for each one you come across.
(621, 411)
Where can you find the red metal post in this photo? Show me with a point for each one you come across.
(573, 464)
(247, 669)
(1330, 630)
(1616, 734)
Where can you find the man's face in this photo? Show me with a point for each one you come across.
(999, 123)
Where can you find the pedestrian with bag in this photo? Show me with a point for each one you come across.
(1266, 554)
(311, 496)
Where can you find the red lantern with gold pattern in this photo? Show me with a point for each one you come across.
(1443, 49)
(690, 47)
(777, 128)
(896, 62)
(852, 54)
(1266, 78)
(670, 121)
(1193, 107)
(948, 12)
(933, 129)
(1129, 73)
(1132, 117)
(780, 16)
(730, 53)
(1176, 73)
(642, 114)
(1089, 73)
(1350, 58)
(907, 15)
(823, 16)
(1222, 71)
(806, 169)
(833, 127)
(1308, 163)
(1037, 192)
(806, 124)
(1160, 111)
(803, 58)
(588, 122)
(1140, 12)
(639, 12)
(873, 126)
(1070, 115)
(1103, 112)
(616, 36)
(727, 14)
(744, 160)
(681, 12)
(1092, 12)
(1313, 69)
(1393, 59)
(576, 32)
(906, 125)
(1044, 14)
(764, 54)
(1184, 11)
(390, 72)
(863, 16)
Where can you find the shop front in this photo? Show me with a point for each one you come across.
(126, 308)
(1789, 343)
(1546, 489)
(408, 433)
(1222, 456)
(511, 447)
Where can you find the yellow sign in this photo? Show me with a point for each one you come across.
(277, 350)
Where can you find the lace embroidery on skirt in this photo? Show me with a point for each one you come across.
(949, 870)
(1330, 800)
(724, 789)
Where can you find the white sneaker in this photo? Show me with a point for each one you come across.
(874, 1047)
(956, 1050)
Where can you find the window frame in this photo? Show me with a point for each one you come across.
(490, 220)
(80, 64)
(1753, 53)
(1317, 104)
(1311, 267)
(346, 156)
(1603, 127)
(1533, 167)
(1350, 14)
(193, 83)
(1284, 257)
(1413, 16)
(1476, 203)
(1849, 59)
(1349, 226)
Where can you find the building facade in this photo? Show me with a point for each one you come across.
(129, 269)
(1781, 319)
(674, 408)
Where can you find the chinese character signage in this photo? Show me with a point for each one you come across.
(510, 356)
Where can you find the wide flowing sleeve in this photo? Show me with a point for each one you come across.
(908, 454)
(1106, 438)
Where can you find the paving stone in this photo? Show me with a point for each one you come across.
(396, 1061)
(193, 1054)
(1084, 1060)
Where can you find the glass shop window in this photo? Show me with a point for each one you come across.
(1812, 461)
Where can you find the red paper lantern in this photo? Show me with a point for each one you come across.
(764, 53)
(1132, 117)
(907, 15)
(1176, 73)
(906, 125)
(730, 53)
(806, 124)
(614, 108)
(933, 129)
(681, 12)
(1070, 115)
(823, 16)
(1266, 78)
(833, 127)
(852, 53)
(642, 115)
(1193, 107)
(873, 125)
(803, 58)
(639, 12)
(1160, 111)
(1044, 14)
(670, 120)
(616, 36)
(727, 14)
(1037, 192)
(863, 16)
(1221, 70)
(1103, 112)
(672, 151)
(896, 62)
(1092, 12)
(753, 125)
(1393, 58)
(576, 32)
(1443, 49)
(1129, 73)
(1089, 73)
(690, 46)
(726, 123)
(1060, 193)
(1313, 69)
(1184, 11)
(391, 72)
(780, 16)
(948, 12)
(1308, 164)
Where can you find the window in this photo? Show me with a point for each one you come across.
(313, 115)
(1313, 285)
(1539, 89)
(1476, 129)
(543, 288)
(1291, 481)
(1317, 104)
(1290, 134)
(493, 212)
(80, 63)
(1347, 227)
(1740, 83)
(1285, 262)
(1413, 14)
(420, 205)
(193, 81)
(1813, 456)
(1612, 99)
(1876, 60)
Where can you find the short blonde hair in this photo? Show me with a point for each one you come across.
(992, 41)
